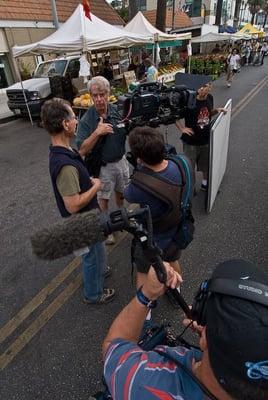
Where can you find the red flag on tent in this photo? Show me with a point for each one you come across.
(86, 8)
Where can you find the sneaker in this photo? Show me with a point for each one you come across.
(228, 84)
(204, 187)
(110, 239)
(106, 297)
(108, 272)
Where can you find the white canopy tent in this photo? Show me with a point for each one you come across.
(140, 25)
(218, 37)
(78, 33)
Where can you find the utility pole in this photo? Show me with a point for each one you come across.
(54, 13)
(173, 14)
(218, 12)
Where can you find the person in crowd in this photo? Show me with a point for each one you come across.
(151, 73)
(196, 130)
(75, 192)
(101, 134)
(248, 52)
(216, 49)
(233, 66)
(107, 71)
(148, 148)
(233, 357)
(140, 71)
(264, 51)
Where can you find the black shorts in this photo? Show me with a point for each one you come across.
(170, 254)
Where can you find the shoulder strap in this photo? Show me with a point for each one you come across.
(204, 389)
(185, 166)
(165, 190)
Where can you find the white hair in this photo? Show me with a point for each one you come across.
(101, 82)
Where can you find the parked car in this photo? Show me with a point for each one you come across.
(38, 89)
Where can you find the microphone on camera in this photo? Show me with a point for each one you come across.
(74, 233)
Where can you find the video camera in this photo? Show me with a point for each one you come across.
(154, 104)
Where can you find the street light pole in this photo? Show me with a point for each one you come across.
(173, 14)
(54, 13)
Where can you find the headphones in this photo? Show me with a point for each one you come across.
(242, 288)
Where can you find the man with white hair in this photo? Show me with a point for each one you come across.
(101, 139)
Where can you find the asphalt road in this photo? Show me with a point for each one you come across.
(51, 347)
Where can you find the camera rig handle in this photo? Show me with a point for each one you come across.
(134, 222)
(147, 86)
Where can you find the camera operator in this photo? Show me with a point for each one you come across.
(101, 137)
(75, 192)
(148, 148)
(196, 131)
(233, 360)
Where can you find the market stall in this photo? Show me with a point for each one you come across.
(213, 52)
(167, 70)
(78, 33)
(81, 35)
(250, 30)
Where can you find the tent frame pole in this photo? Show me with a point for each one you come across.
(24, 95)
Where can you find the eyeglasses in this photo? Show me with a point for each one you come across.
(72, 117)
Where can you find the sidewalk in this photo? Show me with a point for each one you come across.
(5, 113)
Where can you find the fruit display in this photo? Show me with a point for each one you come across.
(117, 91)
(169, 69)
(84, 100)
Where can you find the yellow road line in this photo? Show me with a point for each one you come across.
(257, 89)
(39, 322)
(250, 95)
(13, 324)
(46, 315)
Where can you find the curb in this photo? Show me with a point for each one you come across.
(4, 120)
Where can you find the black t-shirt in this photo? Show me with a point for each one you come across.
(199, 120)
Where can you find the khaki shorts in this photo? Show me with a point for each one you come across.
(199, 155)
(114, 177)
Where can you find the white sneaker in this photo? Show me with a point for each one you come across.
(110, 239)
(228, 84)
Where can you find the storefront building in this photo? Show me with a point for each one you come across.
(6, 76)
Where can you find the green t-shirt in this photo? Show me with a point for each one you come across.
(68, 181)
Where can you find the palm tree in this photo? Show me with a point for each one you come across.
(132, 9)
(161, 15)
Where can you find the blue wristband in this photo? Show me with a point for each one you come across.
(144, 300)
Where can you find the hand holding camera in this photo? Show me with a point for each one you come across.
(153, 289)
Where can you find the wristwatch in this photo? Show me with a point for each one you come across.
(144, 300)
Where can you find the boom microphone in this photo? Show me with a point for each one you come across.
(74, 233)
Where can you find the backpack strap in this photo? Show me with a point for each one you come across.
(185, 166)
(165, 190)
